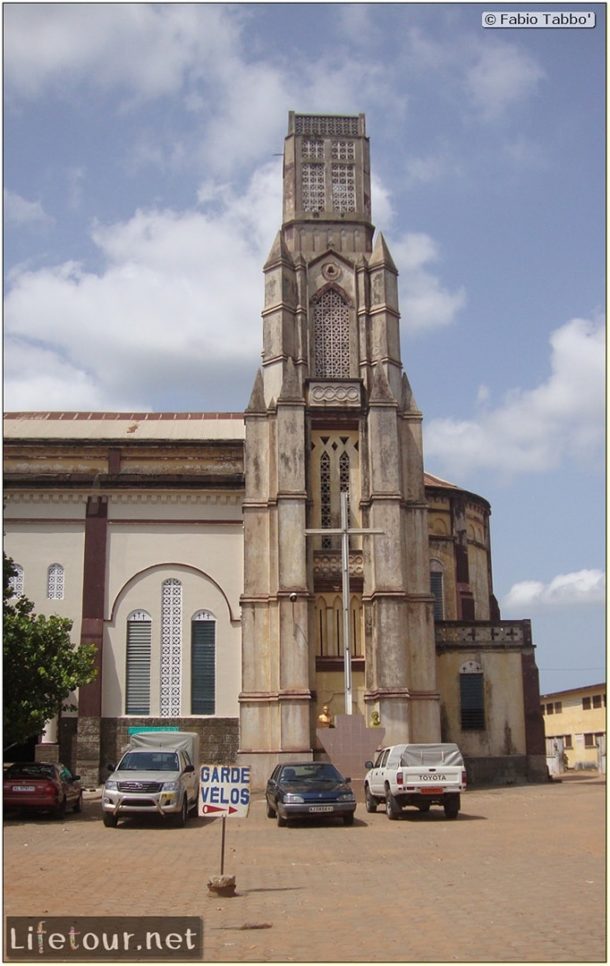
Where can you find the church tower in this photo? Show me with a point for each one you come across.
(332, 411)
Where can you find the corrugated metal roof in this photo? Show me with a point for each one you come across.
(133, 426)
(108, 425)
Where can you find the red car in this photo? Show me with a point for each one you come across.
(42, 786)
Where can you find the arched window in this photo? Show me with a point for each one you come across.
(55, 582)
(329, 625)
(137, 673)
(331, 336)
(437, 588)
(335, 463)
(16, 581)
(472, 697)
(203, 663)
(171, 647)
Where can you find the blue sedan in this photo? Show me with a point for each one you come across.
(309, 789)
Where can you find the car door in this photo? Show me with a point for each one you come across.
(70, 791)
(271, 790)
(378, 773)
(188, 777)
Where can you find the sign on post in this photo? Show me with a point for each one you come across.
(224, 790)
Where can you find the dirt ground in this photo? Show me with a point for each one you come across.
(518, 877)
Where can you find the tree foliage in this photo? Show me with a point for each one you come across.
(42, 667)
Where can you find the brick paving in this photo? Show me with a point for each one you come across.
(519, 877)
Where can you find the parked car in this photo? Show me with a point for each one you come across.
(155, 776)
(42, 786)
(309, 789)
(419, 775)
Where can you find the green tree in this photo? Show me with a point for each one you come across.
(42, 667)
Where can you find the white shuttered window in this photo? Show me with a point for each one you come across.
(139, 633)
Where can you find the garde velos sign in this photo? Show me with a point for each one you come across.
(224, 790)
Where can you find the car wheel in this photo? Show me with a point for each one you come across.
(60, 809)
(78, 804)
(110, 820)
(182, 818)
(392, 807)
(370, 801)
(348, 819)
(270, 811)
(452, 807)
(281, 821)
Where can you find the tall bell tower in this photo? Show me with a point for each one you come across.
(332, 411)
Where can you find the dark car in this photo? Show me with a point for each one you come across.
(42, 786)
(309, 789)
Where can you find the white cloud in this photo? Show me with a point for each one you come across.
(144, 49)
(501, 76)
(580, 587)
(534, 430)
(21, 212)
(425, 303)
(237, 95)
(176, 301)
(430, 168)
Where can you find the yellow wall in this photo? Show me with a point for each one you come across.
(504, 732)
(573, 721)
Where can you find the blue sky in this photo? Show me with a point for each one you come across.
(142, 193)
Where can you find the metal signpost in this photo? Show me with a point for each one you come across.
(224, 790)
(345, 532)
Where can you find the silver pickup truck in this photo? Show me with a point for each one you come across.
(157, 775)
(419, 775)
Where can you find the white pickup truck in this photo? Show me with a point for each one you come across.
(419, 775)
(157, 775)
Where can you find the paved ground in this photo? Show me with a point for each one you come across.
(519, 877)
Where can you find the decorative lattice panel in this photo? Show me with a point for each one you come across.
(343, 151)
(313, 187)
(16, 581)
(55, 582)
(325, 498)
(171, 647)
(331, 336)
(343, 187)
(313, 149)
(320, 124)
(344, 467)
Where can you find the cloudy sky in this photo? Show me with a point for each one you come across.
(142, 192)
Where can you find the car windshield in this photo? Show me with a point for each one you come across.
(30, 770)
(150, 761)
(310, 774)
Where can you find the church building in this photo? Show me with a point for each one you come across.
(179, 543)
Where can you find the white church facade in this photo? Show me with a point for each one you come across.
(178, 544)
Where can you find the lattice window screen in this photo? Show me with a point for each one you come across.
(171, 647)
(16, 581)
(343, 151)
(320, 124)
(313, 148)
(344, 480)
(331, 337)
(343, 187)
(55, 582)
(314, 191)
(325, 498)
